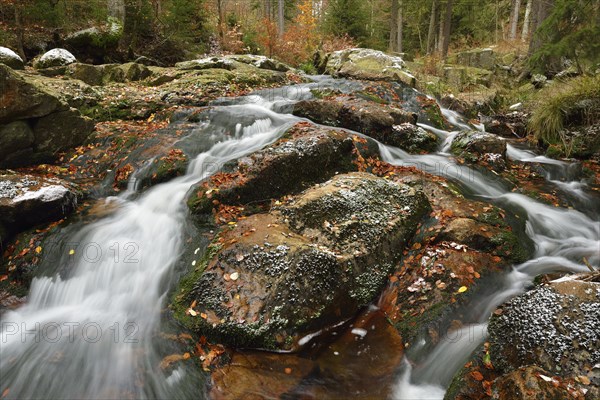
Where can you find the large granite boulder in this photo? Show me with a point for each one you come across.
(306, 154)
(367, 64)
(36, 123)
(10, 58)
(311, 263)
(55, 58)
(96, 44)
(386, 123)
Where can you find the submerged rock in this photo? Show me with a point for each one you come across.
(10, 58)
(309, 264)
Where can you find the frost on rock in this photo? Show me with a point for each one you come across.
(10, 58)
(55, 58)
(46, 193)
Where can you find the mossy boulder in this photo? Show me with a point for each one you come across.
(309, 264)
(38, 123)
(22, 99)
(476, 146)
(368, 64)
(305, 155)
(97, 44)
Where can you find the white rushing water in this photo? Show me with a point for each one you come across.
(89, 334)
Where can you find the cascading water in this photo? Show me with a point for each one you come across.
(89, 334)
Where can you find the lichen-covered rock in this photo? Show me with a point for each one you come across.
(554, 327)
(305, 155)
(260, 62)
(55, 58)
(10, 58)
(476, 146)
(38, 124)
(385, 123)
(206, 63)
(368, 64)
(509, 125)
(478, 58)
(309, 264)
(27, 200)
(21, 99)
(59, 131)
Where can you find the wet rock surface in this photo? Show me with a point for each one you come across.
(309, 264)
(475, 146)
(355, 361)
(306, 154)
(385, 123)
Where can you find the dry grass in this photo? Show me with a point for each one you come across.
(572, 102)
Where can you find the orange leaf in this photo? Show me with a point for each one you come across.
(477, 375)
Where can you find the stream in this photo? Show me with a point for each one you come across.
(91, 332)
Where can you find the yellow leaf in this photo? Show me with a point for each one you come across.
(38, 249)
(71, 252)
(462, 289)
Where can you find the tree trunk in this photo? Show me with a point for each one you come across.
(116, 10)
(431, 32)
(394, 26)
(281, 18)
(541, 10)
(514, 19)
(19, 32)
(268, 9)
(525, 32)
(447, 28)
(220, 18)
(440, 37)
(399, 44)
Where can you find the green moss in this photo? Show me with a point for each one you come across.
(410, 326)
(179, 302)
(511, 247)
(371, 97)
